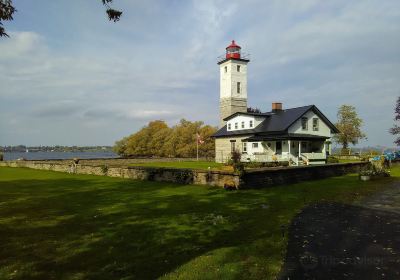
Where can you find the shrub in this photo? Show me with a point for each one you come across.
(236, 156)
(375, 169)
(104, 169)
(238, 167)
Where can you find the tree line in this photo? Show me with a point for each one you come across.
(158, 139)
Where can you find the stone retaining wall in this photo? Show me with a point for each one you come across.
(257, 178)
(183, 176)
(264, 177)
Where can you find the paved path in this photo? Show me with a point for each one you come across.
(388, 200)
(338, 241)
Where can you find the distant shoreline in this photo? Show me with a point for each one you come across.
(57, 155)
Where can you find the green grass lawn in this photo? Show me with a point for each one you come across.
(63, 226)
(183, 164)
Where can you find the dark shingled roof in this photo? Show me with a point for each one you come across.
(275, 122)
(284, 136)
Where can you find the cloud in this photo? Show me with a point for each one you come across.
(75, 75)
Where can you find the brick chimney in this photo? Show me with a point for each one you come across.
(276, 106)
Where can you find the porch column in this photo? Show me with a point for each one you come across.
(299, 148)
(288, 142)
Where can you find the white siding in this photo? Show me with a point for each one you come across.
(323, 129)
(246, 119)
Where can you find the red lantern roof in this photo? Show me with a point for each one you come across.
(233, 45)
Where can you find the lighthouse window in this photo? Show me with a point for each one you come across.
(238, 68)
(226, 69)
(238, 87)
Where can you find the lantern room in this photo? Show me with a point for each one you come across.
(233, 51)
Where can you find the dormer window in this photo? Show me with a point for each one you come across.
(315, 124)
(251, 124)
(304, 123)
(238, 68)
(236, 125)
(229, 126)
(242, 124)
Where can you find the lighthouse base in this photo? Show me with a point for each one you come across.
(230, 106)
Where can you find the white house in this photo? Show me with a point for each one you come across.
(297, 135)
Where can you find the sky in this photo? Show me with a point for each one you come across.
(68, 76)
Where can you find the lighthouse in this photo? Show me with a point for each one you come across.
(233, 82)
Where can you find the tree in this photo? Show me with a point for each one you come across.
(253, 110)
(7, 10)
(120, 147)
(395, 130)
(157, 139)
(349, 125)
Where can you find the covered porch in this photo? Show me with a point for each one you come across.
(295, 149)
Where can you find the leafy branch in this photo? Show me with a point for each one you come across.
(113, 14)
(7, 10)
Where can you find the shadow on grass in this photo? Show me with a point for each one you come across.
(338, 241)
(104, 229)
(55, 225)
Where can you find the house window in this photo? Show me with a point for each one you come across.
(229, 126)
(244, 147)
(315, 124)
(269, 145)
(238, 68)
(242, 124)
(255, 145)
(233, 146)
(238, 87)
(226, 69)
(236, 125)
(251, 123)
(304, 123)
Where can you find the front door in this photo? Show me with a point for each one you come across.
(278, 148)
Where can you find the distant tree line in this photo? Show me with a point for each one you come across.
(160, 140)
(56, 148)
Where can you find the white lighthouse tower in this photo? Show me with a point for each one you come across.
(233, 82)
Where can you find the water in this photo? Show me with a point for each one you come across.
(58, 155)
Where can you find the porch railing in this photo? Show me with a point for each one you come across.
(314, 156)
(293, 159)
(264, 158)
(308, 158)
